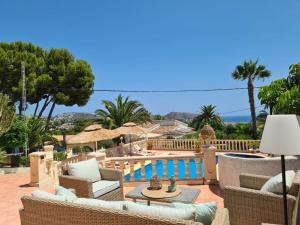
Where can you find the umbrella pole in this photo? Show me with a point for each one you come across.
(130, 145)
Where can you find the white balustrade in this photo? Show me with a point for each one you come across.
(190, 144)
(137, 164)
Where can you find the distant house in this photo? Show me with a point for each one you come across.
(168, 128)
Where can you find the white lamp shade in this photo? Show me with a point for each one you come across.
(281, 135)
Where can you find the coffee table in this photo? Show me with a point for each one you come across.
(187, 195)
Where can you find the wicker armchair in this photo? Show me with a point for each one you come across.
(248, 205)
(84, 187)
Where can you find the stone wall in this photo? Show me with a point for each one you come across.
(231, 167)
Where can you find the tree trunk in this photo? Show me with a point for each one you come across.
(50, 115)
(252, 107)
(46, 103)
(271, 110)
(20, 108)
(35, 110)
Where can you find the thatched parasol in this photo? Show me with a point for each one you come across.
(93, 133)
(131, 129)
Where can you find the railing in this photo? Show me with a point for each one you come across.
(172, 144)
(235, 145)
(141, 168)
(191, 144)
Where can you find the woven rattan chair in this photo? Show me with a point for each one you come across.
(38, 211)
(248, 205)
(84, 187)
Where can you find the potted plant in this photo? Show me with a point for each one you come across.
(197, 147)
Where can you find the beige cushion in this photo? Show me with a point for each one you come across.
(59, 190)
(49, 196)
(274, 184)
(166, 212)
(87, 169)
(102, 187)
(100, 203)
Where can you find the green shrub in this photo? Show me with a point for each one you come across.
(15, 161)
(76, 150)
(59, 156)
(87, 149)
(24, 161)
(105, 144)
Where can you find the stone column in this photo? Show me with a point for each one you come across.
(38, 171)
(48, 149)
(209, 163)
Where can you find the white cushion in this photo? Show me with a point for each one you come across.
(100, 203)
(102, 187)
(274, 184)
(49, 196)
(166, 212)
(59, 190)
(205, 212)
(87, 169)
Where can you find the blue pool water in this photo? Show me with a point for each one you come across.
(170, 170)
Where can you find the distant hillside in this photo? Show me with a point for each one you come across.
(73, 116)
(181, 116)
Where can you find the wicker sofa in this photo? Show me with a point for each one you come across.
(38, 211)
(248, 205)
(84, 187)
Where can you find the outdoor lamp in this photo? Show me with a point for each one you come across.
(281, 136)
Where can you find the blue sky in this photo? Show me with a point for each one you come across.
(162, 44)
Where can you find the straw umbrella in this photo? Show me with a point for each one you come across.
(131, 129)
(93, 134)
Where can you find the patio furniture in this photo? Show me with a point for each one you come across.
(248, 205)
(86, 188)
(187, 195)
(37, 211)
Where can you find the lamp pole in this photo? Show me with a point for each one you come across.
(285, 208)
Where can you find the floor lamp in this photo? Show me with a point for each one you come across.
(281, 136)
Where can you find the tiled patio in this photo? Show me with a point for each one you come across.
(13, 186)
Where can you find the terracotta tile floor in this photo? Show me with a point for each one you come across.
(13, 186)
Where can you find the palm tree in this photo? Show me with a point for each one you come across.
(121, 112)
(209, 116)
(261, 119)
(251, 71)
(37, 133)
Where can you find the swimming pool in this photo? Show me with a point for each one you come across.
(192, 170)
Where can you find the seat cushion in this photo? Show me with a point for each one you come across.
(166, 212)
(274, 184)
(100, 203)
(102, 187)
(87, 169)
(205, 212)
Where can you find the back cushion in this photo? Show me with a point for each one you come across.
(87, 169)
(100, 203)
(49, 196)
(274, 184)
(166, 212)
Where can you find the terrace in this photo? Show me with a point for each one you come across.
(178, 158)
